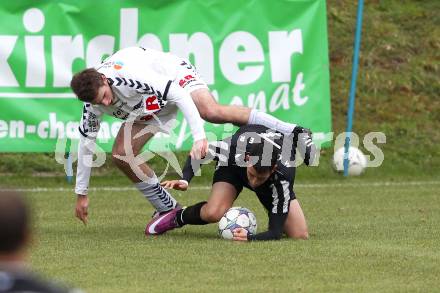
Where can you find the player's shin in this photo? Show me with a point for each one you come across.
(159, 198)
(191, 215)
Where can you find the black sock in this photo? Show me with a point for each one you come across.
(191, 215)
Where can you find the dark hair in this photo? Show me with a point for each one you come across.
(85, 84)
(265, 160)
(14, 222)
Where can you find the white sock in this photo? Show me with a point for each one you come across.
(258, 117)
(159, 198)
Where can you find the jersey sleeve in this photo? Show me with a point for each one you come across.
(186, 104)
(276, 225)
(90, 121)
(217, 151)
(88, 129)
(302, 139)
(282, 193)
(191, 168)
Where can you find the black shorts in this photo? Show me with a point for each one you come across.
(275, 194)
(232, 175)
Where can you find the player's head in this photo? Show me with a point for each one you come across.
(261, 164)
(91, 86)
(14, 223)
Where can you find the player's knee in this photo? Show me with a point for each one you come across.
(301, 235)
(120, 155)
(213, 214)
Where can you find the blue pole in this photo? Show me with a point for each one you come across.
(357, 42)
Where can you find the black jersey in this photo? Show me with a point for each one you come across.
(231, 151)
(276, 192)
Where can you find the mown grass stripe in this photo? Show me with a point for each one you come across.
(304, 185)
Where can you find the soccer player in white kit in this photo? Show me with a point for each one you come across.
(145, 88)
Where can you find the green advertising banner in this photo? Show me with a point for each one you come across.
(269, 55)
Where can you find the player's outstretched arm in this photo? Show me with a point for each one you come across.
(86, 148)
(276, 223)
(190, 168)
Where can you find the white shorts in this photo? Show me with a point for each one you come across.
(164, 121)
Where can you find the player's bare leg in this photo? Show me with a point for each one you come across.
(128, 144)
(124, 139)
(214, 112)
(222, 197)
(296, 226)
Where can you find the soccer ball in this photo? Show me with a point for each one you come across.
(237, 217)
(357, 161)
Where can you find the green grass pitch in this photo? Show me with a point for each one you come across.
(364, 237)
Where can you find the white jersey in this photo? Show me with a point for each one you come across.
(144, 83)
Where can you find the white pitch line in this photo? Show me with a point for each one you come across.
(312, 185)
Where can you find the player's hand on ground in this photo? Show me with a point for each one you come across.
(199, 149)
(240, 234)
(81, 209)
(175, 184)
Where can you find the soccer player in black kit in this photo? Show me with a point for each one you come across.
(259, 159)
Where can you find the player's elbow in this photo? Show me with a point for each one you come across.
(212, 114)
(275, 234)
